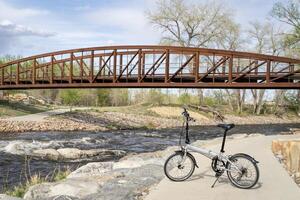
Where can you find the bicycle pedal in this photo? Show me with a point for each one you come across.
(218, 174)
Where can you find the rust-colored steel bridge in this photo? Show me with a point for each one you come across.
(150, 66)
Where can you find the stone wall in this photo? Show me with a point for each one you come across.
(288, 152)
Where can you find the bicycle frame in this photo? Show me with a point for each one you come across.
(205, 152)
(209, 154)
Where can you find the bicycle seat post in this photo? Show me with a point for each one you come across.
(187, 139)
(223, 141)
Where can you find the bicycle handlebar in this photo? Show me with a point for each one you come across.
(187, 115)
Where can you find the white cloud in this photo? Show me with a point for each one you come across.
(9, 29)
(15, 34)
(11, 35)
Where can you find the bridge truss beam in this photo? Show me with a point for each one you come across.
(150, 66)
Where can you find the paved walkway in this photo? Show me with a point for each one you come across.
(274, 182)
(37, 117)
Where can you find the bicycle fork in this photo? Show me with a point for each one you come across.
(184, 150)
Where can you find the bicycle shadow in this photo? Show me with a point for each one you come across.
(222, 180)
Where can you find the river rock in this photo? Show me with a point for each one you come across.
(20, 147)
(70, 153)
(92, 169)
(6, 197)
(50, 154)
(137, 161)
(74, 153)
(73, 187)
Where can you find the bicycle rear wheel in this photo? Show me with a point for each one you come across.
(177, 169)
(243, 172)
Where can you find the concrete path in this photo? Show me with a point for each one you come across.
(274, 182)
(37, 117)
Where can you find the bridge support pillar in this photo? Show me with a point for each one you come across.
(71, 68)
(167, 67)
(268, 72)
(197, 65)
(140, 65)
(230, 69)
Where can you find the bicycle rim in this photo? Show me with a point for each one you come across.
(247, 174)
(176, 170)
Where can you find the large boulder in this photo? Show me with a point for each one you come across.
(74, 153)
(49, 154)
(71, 153)
(125, 179)
(6, 197)
(73, 187)
(92, 169)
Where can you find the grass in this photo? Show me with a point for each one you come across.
(21, 189)
(150, 126)
(12, 109)
(141, 109)
(60, 175)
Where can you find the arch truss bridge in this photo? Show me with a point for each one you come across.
(150, 66)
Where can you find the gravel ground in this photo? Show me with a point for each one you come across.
(150, 118)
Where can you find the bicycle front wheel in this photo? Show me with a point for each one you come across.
(243, 171)
(179, 168)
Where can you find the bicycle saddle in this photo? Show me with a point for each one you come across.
(226, 126)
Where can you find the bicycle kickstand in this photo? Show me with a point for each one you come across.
(218, 175)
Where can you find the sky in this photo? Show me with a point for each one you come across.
(29, 27)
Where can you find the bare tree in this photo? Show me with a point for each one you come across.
(231, 38)
(289, 13)
(267, 39)
(279, 101)
(184, 24)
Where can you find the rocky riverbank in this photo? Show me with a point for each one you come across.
(150, 118)
(129, 178)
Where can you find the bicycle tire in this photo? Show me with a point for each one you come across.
(190, 172)
(251, 161)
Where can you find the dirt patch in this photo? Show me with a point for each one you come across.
(174, 112)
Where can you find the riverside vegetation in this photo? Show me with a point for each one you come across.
(21, 189)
